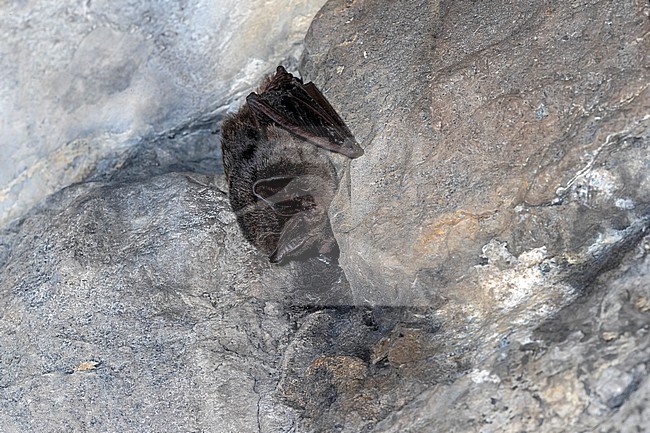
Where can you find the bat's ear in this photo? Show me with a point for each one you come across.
(283, 199)
(294, 237)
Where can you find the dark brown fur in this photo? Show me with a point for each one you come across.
(280, 183)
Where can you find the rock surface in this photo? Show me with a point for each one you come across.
(136, 307)
(507, 176)
(526, 124)
(84, 81)
(494, 239)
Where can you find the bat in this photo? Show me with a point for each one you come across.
(280, 183)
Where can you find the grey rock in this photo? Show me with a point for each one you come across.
(582, 370)
(462, 156)
(494, 238)
(506, 186)
(83, 82)
(122, 310)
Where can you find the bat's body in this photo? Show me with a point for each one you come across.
(280, 183)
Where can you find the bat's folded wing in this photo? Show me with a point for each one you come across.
(304, 111)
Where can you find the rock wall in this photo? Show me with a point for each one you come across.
(85, 81)
(505, 184)
(494, 248)
(523, 124)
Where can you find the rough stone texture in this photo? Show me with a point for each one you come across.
(584, 370)
(85, 80)
(135, 307)
(525, 123)
(506, 177)
(494, 236)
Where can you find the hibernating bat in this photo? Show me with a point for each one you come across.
(280, 183)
